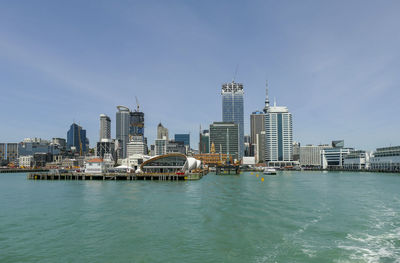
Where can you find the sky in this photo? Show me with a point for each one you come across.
(334, 64)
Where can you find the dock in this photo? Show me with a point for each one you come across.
(227, 169)
(116, 176)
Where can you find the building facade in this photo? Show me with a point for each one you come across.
(257, 128)
(136, 146)
(122, 129)
(162, 132)
(2, 152)
(232, 109)
(76, 139)
(105, 127)
(12, 153)
(386, 159)
(225, 137)
(136, 128)
(204, 142)
(183, 137)
(176, 147)
(356, 160)
(279, 136)
(160, 146)
(310, 155)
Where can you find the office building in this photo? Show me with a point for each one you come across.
(356, 160)
(386, 159)
(257, 128)
(247, 145)
(185, 138)
(162, 132)
(122, 129)
(160, 146)
(30, 146)
(76, 139)
(333, 158)
(225, 137)
(232, 109)
(2, 152)
(105, 127)
(136, 127)
(176, 147)
(310, 155)
(279, 137)
(136, 146)
(204, 143)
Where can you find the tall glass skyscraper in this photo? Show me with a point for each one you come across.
(122, 128)
(76, 137)
(232, 109)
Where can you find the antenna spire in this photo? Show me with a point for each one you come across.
(266, 107)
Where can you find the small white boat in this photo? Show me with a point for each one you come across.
(269, 170)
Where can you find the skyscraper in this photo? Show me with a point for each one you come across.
(136, 127)
(122, 128)
(225, 137)
(162, 132)
(257, 126)
(232, 109)
(204, 141)
(279, 137)
(185, 138)
(105, 127)
(76, 138)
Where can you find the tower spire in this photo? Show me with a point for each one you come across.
(266, 107)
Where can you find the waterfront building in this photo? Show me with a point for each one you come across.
(310, 155)
(204, 144)
(184, 137)
(257, 130)
(386, 159)
(134, 161)
(213, 159)
(356, 160)
(136, 146)
(225, 137)
(176, 147)
(161, 146)
(41, 159)
(95, 166)
(162, 132)
(172, 163)
(333, 158)
(232, 110)
(30, 146)
(70, 163)
(25, 161)
(279, 136)
(105, 127)
(76, 139)
(2, 152)
(122, 129)
(12, 153)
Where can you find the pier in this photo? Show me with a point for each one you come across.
(227, 169)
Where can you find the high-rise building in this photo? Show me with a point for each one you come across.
(105, 127)
(162, 132)
(257, 125)
(225, 137)
(136, 146)
(176, 147)
(76, 139)
(247, 145)
(204, 144)
(279, 136)
(185, 138)
(232, 109)
(160, 146)
(136, 127)
(122, 128)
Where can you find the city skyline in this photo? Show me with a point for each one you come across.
(334, 68)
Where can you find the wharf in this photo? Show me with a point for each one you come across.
(116, 176)
(21, 170)
(227, 169)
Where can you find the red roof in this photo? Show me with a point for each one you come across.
(95, 160)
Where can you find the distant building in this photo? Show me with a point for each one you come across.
(2, 152)
(176, 147)
(386, 159)
(136, 128)
(12, 153)
(76, 139)
(95, 166)
(161, 146)
(104, 147)
(333, 158)
(310, 155)
(279, 136)
(213, 159)
(162, 132)
(356, 160)
(105, 127)
(232, 110)
(30, 146)
(204, 144)
(122, 128)
(225, 137)
(185, 138)
(25, 161)
(136, 146)
(61, 142)
(41, 159)
(257, 125)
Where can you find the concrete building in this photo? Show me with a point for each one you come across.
(12, 153)
(161, 146)
(30, 146)
(122, 128)
(162, 132)
(310, 155)
(105, 127)
(76, 139)
(232, 109)
(279, 136)
(2, 152)
(356, 160)
(386, 159)
(136, 146)
(225, 137)
(25, 161)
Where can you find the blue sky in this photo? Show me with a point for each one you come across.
(334, 64)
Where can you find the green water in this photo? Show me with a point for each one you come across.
(290, 217)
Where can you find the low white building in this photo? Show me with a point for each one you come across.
(25, 161)
(356, 160)
(333, 158)
(95, 166)
(310, 155)
(386, 159)
(134, 161)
